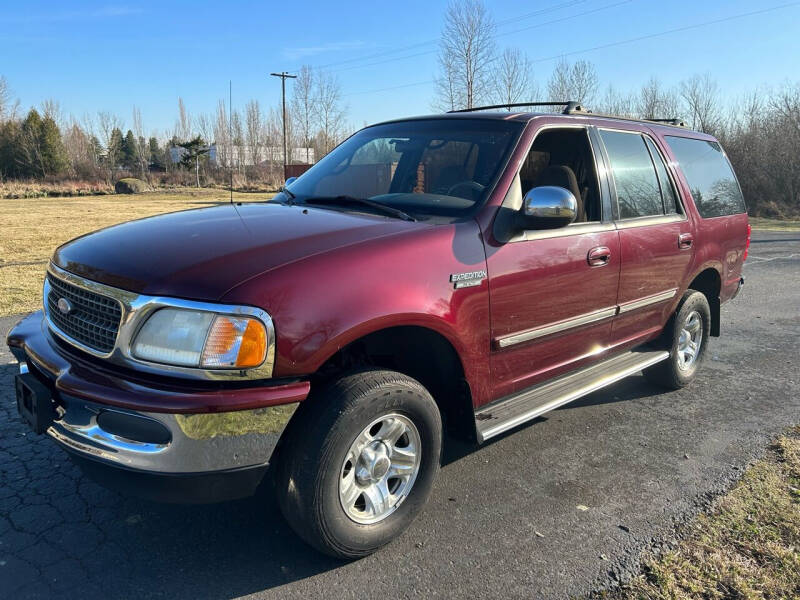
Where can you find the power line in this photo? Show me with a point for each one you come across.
(518, 18)
(537, 25)
(667, 32)
(613, 44)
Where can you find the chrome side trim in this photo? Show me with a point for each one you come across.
(532, 334)
(647, 221)
(136, 308)
(585, 319)
(647, 301)
(572, 229)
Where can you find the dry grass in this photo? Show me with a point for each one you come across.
(765, 224)
(32, 228)
(747, 546)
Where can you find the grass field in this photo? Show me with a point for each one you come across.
(774, 224)
(33, 227)
(747, 546)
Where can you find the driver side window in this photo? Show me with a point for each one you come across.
(564, 158)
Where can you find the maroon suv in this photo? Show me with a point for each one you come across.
(467, 271)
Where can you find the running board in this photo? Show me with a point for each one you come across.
(509, 412)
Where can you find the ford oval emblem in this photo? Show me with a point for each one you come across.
(64, 306)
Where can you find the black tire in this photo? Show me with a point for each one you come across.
(671, 373)
(312, 456)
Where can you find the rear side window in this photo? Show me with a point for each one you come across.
(710, 177)
(638, 192)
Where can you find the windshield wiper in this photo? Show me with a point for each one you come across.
(344, 200)
(290, 196)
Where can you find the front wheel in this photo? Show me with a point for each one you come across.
(359, 463)
(686, 335)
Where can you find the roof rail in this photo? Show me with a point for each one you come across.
(676, 122)
(570, 106)
(573, 108)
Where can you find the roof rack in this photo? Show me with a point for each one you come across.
(676, 122)
(570, 107)
(573, 108)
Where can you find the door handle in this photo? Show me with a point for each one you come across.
(685, 241)
(599, 256)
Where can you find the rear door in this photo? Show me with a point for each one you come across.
(656, 243)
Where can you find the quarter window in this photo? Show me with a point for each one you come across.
(638, 192)
(709, 175)
(667, 189)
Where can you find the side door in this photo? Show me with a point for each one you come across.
(655, 236)
(552, 292)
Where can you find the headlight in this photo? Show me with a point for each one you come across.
(190, 338)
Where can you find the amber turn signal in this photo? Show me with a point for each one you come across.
(235, 342)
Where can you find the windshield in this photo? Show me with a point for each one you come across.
(426, 167)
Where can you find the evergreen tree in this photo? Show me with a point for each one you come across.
(10, 132)
(156, 154)
(41, 150)
(114, 150)
(191, 158)
(128, 151)
(54, 155)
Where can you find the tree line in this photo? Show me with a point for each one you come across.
(43, 144)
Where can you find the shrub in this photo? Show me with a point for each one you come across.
(130, 185)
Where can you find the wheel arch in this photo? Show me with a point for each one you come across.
(420, 352)
(708, 281)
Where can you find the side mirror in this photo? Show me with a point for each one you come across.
(290, 181)
(547, 207)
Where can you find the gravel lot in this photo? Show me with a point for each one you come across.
(554, 509)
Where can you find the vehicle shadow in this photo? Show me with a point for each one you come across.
(62, 533)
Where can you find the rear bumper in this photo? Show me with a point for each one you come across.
(162, 442)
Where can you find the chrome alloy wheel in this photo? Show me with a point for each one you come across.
(689, 340)
(380, 468)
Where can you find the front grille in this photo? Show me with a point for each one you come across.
(94, 319)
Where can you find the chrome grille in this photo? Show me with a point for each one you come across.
(94, 319)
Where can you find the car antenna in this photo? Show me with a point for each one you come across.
(230, 134)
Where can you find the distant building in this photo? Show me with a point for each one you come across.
(236, 155)
(223, 154)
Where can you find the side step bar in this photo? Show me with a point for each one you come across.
(504, 414)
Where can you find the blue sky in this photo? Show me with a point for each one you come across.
(94, 56)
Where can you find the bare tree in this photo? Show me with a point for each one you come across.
(302, 107)
(654, 102)
(142, 146)
(514, 79)
(330, 112)
(577, 82)
(5, 99)
(183, 126)
(700, 96)
(617, 103)
(237, 142)
(466, 54)
(254, 125)
(52, 108)
(222, 137)
(107, 123)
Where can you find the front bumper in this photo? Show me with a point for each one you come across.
(170, 441)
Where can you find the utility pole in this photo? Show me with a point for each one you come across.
(284, 76)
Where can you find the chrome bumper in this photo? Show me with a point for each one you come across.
(196, 443)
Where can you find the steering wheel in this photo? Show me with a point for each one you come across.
(471, 186)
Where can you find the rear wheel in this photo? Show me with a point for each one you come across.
(686, 337)
(359, 462)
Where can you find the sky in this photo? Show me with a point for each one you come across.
(92, 56)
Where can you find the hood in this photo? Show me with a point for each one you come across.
(200, 254)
